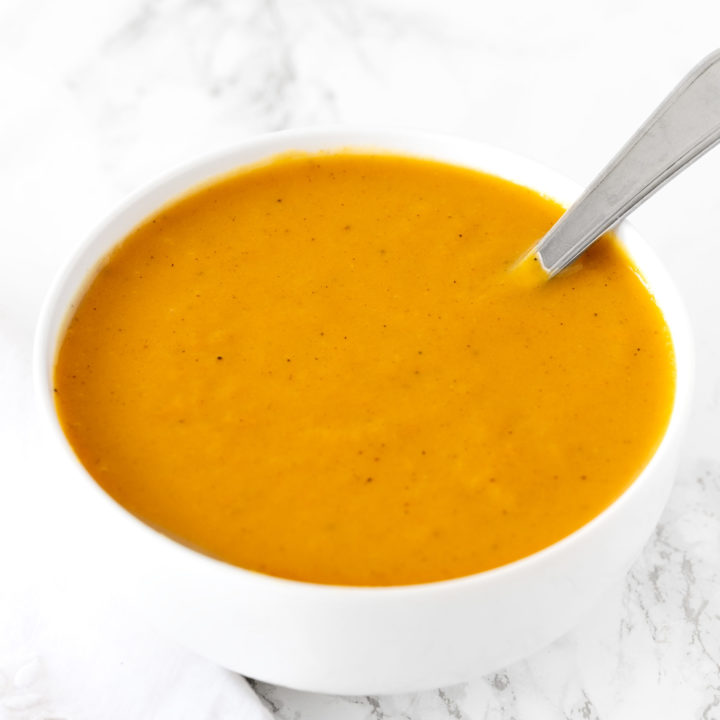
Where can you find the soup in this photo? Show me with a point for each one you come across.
(326, 368)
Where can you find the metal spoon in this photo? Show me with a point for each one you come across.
(684, 126)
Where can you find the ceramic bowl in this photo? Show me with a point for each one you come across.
(345, 639)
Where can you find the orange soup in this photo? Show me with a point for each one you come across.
(324, 368)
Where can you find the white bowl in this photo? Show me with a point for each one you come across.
(346, 639)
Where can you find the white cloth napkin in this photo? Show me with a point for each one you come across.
(68, 649)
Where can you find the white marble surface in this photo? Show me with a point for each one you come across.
(96, 98)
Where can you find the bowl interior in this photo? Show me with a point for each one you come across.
(81, 268)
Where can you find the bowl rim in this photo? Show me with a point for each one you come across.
(395, 141)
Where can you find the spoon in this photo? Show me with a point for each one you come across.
(684, 127)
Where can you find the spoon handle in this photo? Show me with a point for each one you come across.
(684, 126)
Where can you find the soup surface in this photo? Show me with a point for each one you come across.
(323, 368)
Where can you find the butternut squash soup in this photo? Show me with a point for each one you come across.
(324, 368)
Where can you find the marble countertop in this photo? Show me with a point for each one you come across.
(97, 98)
